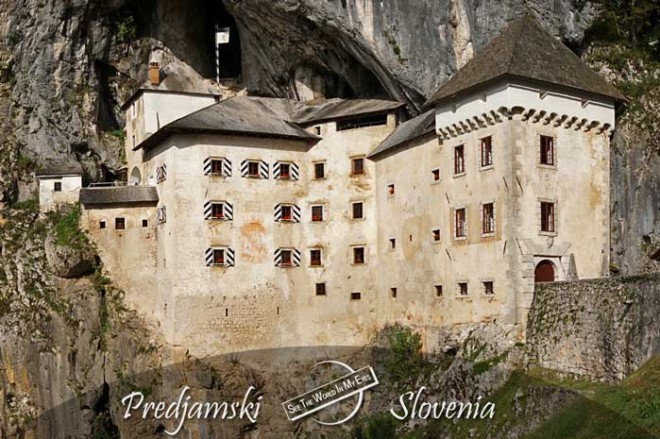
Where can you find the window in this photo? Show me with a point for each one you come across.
(317, 213)
(459, 159)
(161, 173)
(286, 259)
(285, 171)
(145, 223)
(315, 258)
(223, 257)
(548, 217)
(461, 224)
(357, 166)
(215, 210)
(320, 289)
(486, 151)
(547, 151)
(287, 213)
(393, 292)
(57, 187)
(488, 288)
(358, 210)
(438, 290)
(356, 296)
(392, 243)
(463, 288)
(436, 174)
(487, 218)
(133, 110)
(319, 171)
(217, 166)
(436, 235)
(253, 169)
(317, 130)
(390, 189)
(219, 257)
(218, 211)
(120, 223)
(102, 224)
(358, 255)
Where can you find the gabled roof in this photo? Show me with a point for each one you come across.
(267, 117)
(525, 50)
(60, 169)
(407, 131)
(119, 195)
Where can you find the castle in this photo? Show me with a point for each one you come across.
(253, 222)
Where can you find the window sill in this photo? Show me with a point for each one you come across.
(544, 166)
(358, 264)
(358, 219)
(460, 238)
(435, 182)
(552, 234)
(466, 298)
(316, 266)
(218, 219)
(287, 266)
(436, 242)
(462, 174)
(486, 168)
(488, 235)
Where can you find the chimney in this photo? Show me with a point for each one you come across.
(154, 73)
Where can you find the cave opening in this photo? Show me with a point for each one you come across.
(227, 44)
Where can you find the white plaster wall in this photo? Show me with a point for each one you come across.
(49, 199)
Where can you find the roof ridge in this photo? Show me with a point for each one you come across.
(523, 21)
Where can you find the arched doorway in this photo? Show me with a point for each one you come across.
(136, 177)
(544, 272)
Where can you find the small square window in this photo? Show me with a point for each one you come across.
(102, 224)
(390, 189)
(317, 130)
(358, 255)
(320, 289)
(286, 212)
(57, 187)
(285, 171)
(317, 213)
(488, 288)
(463, 288)
(461, 223)
(438, 290)
(286, 258)
(253, 169)
(547, 151)
(459, 159)
(356, 296)
(392, 243)
(120, 223)
(358, 210)
(436, 235)
(357, 166)
(217, 211)
(393, 292)
(319, 171)
(218, 257)
(486, 151)
(487, 218)
(145, 223)
(216, 166)
(436, 174)
(315, 258)
(548, 217)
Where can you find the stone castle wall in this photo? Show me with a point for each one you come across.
(602, 329)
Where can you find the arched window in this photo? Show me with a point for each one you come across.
(544, 272)
(136, 177)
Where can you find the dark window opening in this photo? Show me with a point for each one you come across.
(438, 290)
(463, 288)
(120, 223)
(102, 224)
(390, 189)
(360, 122)
(285, 171)
(356, 296)
(216, 166)
(393, 292)
(548, 217)
(358, 211)
(287, 213)
(286, 258)
(319, 170)
(436, 174)
(460, 223)
(315, 258)
(218, 211)
(459, 159)
(145, 223)
(488, 218)
(488, 288)
(320, 289)
(392, 243)
(486, 151)
(57, 187)
(218, 257)
(253, 169)
(358, 255)
(547, 150)
(317, 213)
(436, 235)
(357, 166)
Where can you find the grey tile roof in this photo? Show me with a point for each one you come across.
(119, 195)
(525, 50)
(407, 131)
(329, 109)
(59, 169)
(270, 117)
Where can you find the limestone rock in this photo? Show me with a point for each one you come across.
(68, 262)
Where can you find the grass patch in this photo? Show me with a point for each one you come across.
(67, 229)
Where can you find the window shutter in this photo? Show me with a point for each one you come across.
(278, 257)
(229, 211)
(295, 171)
(296, 213)
(278, 212)
(208, 210)
(161, 215)
(276, 170)
(226, 167)
(207, 166)
(161, 173)
(296, 257)
(244, 168)
(230, 257)
(263, 169)
(209, 256)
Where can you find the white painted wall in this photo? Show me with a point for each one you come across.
(49, 199)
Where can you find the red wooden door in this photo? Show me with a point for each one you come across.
(544, 272)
